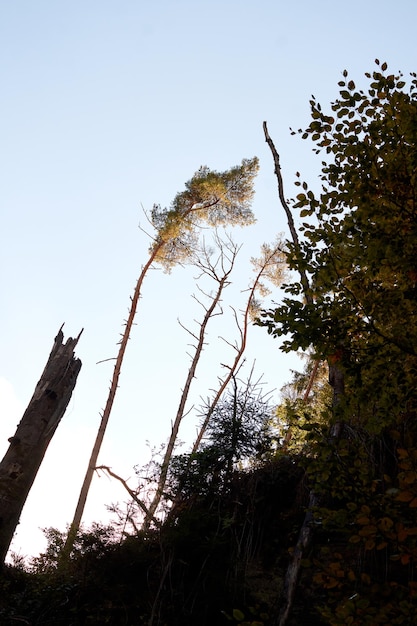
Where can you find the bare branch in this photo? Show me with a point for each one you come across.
(270, 256)
(223, 282)
(290, 220)
(226, 202)
(130, 491)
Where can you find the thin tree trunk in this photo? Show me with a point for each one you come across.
(222, 283)
(336, 380)
(303, 276)
(239, 353)
(237, 363)
(79, 510)
(293, 570)
(159, 245)
(27, 448)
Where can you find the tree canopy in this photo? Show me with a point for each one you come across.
(360, 240)
(358, 251)
(210, 197)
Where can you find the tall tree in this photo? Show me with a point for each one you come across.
(239, 432)
(219, 270)
(216, 264)
(28, 445)
(358, 250)
(210, 198)
(239, 428)
(270, 265)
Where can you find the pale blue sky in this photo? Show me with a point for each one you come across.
(107, 106)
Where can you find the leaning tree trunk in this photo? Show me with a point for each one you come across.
(27, 448)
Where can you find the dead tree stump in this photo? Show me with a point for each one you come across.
(28, 445)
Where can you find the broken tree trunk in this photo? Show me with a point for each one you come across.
(27, 448)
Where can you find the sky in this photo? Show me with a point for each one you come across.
(107, 108)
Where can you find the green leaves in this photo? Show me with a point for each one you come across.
(239, 617)
(210, 198)
(359, 251)
(361, 231)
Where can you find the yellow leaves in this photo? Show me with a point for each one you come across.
(385, 524)
(351, 576)
(337, 570)
(327, 582)
(368, 530)
(332, 577)
(368, 534)
(402, 453)
(369, 544)
(409, 477)
(404, 496)
(384, 532)
(271, 264)
(412, 585)
(402, 532)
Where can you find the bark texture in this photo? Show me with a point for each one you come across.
(28, 445)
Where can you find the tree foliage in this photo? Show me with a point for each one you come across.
(223, 550)
(305, 407)
(359, 251)
(210, 197)
(238, 433)
(360, 244)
